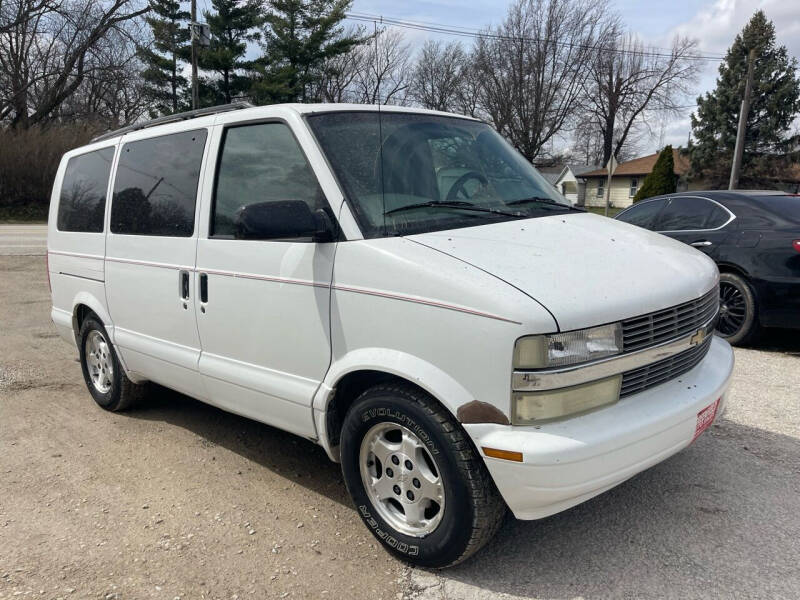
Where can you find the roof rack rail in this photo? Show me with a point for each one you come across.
(182, 116)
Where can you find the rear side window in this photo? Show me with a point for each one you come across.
(82, 203)
(260, 163)
(685, 214)
(155, 189)
(643, 215)
(718, 217)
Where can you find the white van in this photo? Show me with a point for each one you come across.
(399, 286)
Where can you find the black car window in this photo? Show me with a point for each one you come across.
(643, 214)
(156, 185)
(82, 203)
(260, 163)
(685, 214)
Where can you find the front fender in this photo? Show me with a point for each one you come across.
(429, 377)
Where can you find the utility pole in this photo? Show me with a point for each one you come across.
(740, 131)
(611, 166)
(195, 92)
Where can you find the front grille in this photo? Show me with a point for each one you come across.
(670, 323)
(638, 380)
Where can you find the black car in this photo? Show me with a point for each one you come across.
(754, 237)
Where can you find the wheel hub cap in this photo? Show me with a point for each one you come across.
(99, 363)
(402, 479)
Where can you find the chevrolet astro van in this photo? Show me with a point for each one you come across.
(399, 286)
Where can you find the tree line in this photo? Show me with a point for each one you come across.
(550, 73)
(551, 68)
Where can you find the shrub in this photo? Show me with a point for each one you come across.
(662, 179)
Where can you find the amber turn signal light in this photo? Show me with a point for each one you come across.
(503, 454)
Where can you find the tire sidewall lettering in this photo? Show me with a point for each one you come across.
(391, 541)
(403, 419)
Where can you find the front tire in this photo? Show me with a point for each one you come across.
(416, 479)
(102, 371)
(738, 313)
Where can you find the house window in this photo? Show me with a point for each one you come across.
(634, 186)
(601, 188)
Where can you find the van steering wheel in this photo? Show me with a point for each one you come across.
(458, 186)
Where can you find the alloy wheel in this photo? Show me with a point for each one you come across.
(401, 479)
(99, 362)
(732, 309)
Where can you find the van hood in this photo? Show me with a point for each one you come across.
(585, 269)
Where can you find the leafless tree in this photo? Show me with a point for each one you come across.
(438, 75)
(469, 89)
(533, 67)
(587, 147)
(629, 82)
(385, 76)
(336, 80)
(47, 52)
(14, 13)
(112, 93)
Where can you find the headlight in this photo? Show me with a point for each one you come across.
(561, 349)
(532, 407)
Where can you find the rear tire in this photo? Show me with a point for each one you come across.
(416, 479)
(738, 315)
(102, 371)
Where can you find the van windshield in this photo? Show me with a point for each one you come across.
(407, 173)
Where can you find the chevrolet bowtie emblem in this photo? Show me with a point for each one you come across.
(698, 337)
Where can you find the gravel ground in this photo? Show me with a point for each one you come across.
(179, 499)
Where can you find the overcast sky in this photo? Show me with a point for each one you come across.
(714, 23)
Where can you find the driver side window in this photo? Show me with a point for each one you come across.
(260, 163)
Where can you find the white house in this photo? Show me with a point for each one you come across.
(570, 183)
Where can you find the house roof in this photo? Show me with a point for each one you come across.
(643, 166)
(576, 169)
(579, 170)
(551, 174)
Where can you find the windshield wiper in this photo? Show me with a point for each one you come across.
(456, 204)
(543, 200)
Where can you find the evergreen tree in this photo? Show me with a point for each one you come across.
(774, 105)
(232, 25)
(662, 179)
(163, 82)
(300, 36)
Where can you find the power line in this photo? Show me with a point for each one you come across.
(476, 34)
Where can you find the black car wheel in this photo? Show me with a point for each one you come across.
(738, 319)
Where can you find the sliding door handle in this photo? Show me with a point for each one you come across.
(183, 284)
(203, 287)
(701, 244)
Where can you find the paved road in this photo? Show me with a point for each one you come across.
(27, 240)
(161, 502)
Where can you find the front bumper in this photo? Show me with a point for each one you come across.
(569, 461)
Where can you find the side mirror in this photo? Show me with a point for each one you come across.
(284, 219)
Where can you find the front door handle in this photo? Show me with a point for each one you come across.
(701, 244)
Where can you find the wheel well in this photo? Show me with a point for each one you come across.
(81, 312)
(347, 390)
(726, 268)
